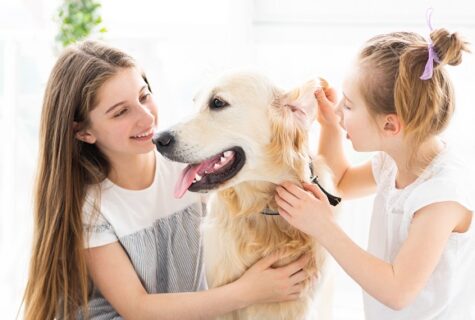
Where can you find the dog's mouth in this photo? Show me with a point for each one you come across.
(212, 172)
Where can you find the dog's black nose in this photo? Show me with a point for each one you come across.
(164, 140)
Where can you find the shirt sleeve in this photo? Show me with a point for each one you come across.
(440, 190)
(434, 191)
(97, 230)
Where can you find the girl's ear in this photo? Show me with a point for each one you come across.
(83, 135)
(391, 124)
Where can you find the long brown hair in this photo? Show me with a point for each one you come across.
(58, 281)
(392, 65)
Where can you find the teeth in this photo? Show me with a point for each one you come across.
(144, 134)
(222, 159)
(227, 154)
(197, 177)
(216, 166)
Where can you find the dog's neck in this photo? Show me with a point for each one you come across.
(247, 197)
(252, 197)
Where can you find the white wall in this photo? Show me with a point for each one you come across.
(180, 44)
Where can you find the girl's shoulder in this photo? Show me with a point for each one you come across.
(449, 178)
(451, 165)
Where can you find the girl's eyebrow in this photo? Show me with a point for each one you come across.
(145, 86)
(122, 102)
(346, 97)
(114, 106)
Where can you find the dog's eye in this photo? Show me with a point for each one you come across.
(217, 103)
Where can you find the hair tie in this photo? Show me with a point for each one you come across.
(429, 68)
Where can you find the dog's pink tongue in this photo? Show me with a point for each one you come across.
(188, 175)
(186, 179)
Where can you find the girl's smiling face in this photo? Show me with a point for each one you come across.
(125, 116)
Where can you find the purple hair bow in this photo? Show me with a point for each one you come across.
(429, 68)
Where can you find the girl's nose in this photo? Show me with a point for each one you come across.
(145, 116)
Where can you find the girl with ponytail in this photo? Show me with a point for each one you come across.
(397, 100)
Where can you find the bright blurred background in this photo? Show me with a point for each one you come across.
(181, 44)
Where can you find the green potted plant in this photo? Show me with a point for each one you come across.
(77, 20)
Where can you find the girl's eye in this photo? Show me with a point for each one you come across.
(121, 112)
(145, 97)
(345, 106)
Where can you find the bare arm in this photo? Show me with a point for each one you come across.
(393, 284)
(397, 284)
(351, 182)
(357, 181)
(113, 273)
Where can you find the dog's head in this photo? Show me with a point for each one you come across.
(246, 129)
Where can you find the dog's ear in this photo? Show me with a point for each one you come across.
(302, 101)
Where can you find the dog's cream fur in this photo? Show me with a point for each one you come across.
(272, 127)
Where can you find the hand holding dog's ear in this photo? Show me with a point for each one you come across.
(326, 103)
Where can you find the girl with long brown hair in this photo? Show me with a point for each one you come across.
(110, 240)
(398, 98)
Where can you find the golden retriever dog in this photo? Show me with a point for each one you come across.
(248, 137)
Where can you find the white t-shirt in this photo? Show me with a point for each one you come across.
(160, 234)
(124, 212)
(450, 291)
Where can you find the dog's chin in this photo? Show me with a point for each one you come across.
(218, 175)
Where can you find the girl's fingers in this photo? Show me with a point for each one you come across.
(326, 101)
(284, 214)
(297, 289)
(331, 95)
(291, 297)
(295, 190)
(299, 277)
(296, 266)
(317, 192)
(267, 261)
(286, 195)
(323, 103)
(329, 91)
(283, 204)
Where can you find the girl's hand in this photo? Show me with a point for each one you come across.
(262, 283)
(306, 209)
(328, 113)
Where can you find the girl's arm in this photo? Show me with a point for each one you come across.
(113, 273)
(351, 182)
(394, 284)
